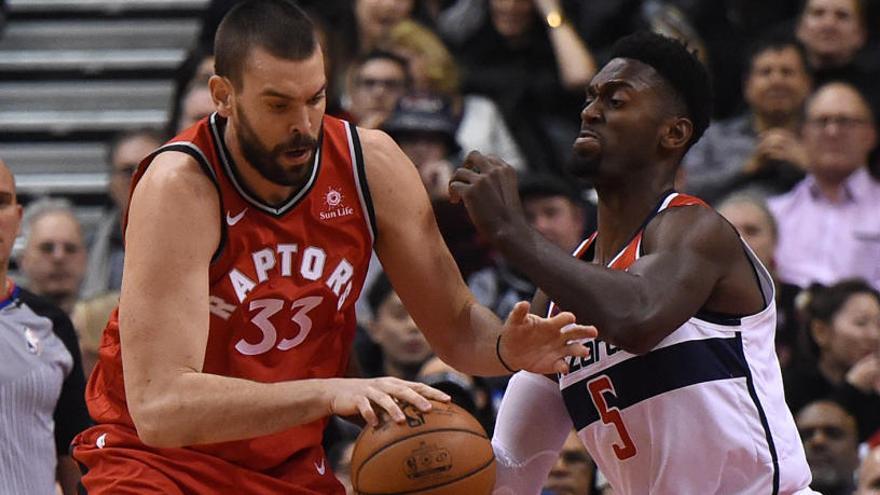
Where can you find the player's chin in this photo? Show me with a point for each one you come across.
(583, 165)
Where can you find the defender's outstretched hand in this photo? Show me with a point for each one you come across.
(540, 345)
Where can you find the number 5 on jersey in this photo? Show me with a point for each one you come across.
(266, 308)
(611, 415)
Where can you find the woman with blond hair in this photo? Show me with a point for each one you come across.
(434, 70)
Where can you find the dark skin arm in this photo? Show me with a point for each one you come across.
(693, 259)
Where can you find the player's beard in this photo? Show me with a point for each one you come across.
(266, 161)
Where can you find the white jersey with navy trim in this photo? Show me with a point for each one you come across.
(701, 413)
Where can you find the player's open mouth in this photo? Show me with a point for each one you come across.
(296, 154)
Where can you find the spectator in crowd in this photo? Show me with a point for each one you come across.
(554, 208)
(844, 323)
(197, 66)
(374, 18)
(403, 347)
(376, 82)
(829, 228)
(754, 222)
(869, 474)
(42, 386)
(195, 104)
(425, 129)
(529, 59)
(762, 146)
(480, 123)
(831, 444)
(834, 33)
(573, 472)
(106, 249)
(54, 256)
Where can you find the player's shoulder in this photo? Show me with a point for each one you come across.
(384, 160)
(177, 171)
(691, 223)
(376, 141)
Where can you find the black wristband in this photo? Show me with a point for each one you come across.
(498, 353)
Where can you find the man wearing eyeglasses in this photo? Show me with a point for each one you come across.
(378, 80)
(829, 226)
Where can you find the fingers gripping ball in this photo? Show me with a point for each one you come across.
(442, 452)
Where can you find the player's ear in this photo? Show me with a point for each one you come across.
(221, 92)
(677, 133)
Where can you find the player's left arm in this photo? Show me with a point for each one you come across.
(694, 258)
(425, 276)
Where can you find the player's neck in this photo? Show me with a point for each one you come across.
(623, 208)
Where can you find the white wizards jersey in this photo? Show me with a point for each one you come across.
(702, 413)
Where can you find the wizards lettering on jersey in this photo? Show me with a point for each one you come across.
(594, 355)
(312, 266)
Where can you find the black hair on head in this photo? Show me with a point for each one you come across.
(776, 41)
(379, 292)
(825, 301)
(278, 26)
(686, 75)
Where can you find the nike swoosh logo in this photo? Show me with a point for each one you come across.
(321, 468)
(102, 440)
(232, 220)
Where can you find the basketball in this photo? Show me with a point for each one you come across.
(441, 452)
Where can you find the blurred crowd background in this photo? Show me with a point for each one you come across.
(89, 87)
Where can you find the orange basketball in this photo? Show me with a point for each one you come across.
(442, 452)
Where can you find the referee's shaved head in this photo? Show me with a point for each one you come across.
(6, 174)
(10, 218)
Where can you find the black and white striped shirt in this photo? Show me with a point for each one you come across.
(42, 388)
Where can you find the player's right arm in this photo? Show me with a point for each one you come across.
(530, 430)
(172, 233)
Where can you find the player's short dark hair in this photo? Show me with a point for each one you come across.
(776, 41)
(277, 26)
(687, 77)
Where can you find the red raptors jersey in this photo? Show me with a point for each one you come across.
(283, 286)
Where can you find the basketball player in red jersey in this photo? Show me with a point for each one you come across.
(682, 391)
(247, 241)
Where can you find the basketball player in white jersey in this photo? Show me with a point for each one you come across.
(681, 392)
